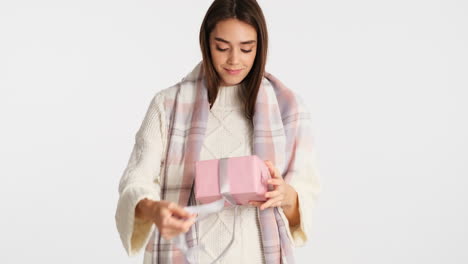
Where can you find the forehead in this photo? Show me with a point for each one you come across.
(234, 31)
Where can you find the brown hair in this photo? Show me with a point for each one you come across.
(249, 12)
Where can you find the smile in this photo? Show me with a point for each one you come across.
(233, 72)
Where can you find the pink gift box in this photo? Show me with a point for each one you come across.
(247, 177)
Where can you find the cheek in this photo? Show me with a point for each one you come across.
(250, 59)
(217, 57)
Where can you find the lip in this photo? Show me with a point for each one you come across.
(233, 72)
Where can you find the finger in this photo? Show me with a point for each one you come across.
(277, 204)
(276, 173)
(256, 203)
(273, 170)
(180, 228)
(270, 202)
(270, 166)
(183, 228)
(179, 211)
(177, 224)
(165, 213)
(188, 224)
(272, 194)
(275, 181)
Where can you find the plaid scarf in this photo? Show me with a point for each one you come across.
(279, 136)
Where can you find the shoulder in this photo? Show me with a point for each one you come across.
(185, 88)
(166, 93)
(162, 98)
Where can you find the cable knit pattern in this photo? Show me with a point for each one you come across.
(228, 134)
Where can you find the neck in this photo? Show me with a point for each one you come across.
(228, 97)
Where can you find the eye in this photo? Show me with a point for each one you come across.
(220, 49)
(246, 51)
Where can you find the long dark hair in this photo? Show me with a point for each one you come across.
(249, 12)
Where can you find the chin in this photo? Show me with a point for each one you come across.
(230, 80)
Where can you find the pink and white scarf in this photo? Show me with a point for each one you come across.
(280, 135)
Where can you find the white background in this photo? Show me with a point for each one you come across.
(386, 82)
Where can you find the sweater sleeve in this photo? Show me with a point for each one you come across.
(306, 183)
(141, 178)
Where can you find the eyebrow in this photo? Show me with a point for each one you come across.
(243, 42)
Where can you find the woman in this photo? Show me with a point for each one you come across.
(228, 106)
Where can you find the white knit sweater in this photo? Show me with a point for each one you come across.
(228, 134)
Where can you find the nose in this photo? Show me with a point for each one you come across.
(233, 58)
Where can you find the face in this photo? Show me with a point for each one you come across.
(233, 46)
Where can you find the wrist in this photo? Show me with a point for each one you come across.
(291, 210)
(144, 209)
(291, 200)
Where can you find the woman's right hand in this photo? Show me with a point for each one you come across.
(170, 218)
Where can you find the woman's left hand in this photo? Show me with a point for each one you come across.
(283, 194)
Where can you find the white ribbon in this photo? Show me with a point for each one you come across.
(205, 210)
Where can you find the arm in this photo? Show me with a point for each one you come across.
(307, 188)
(140, 180)
(294, 199)
(291, 209)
